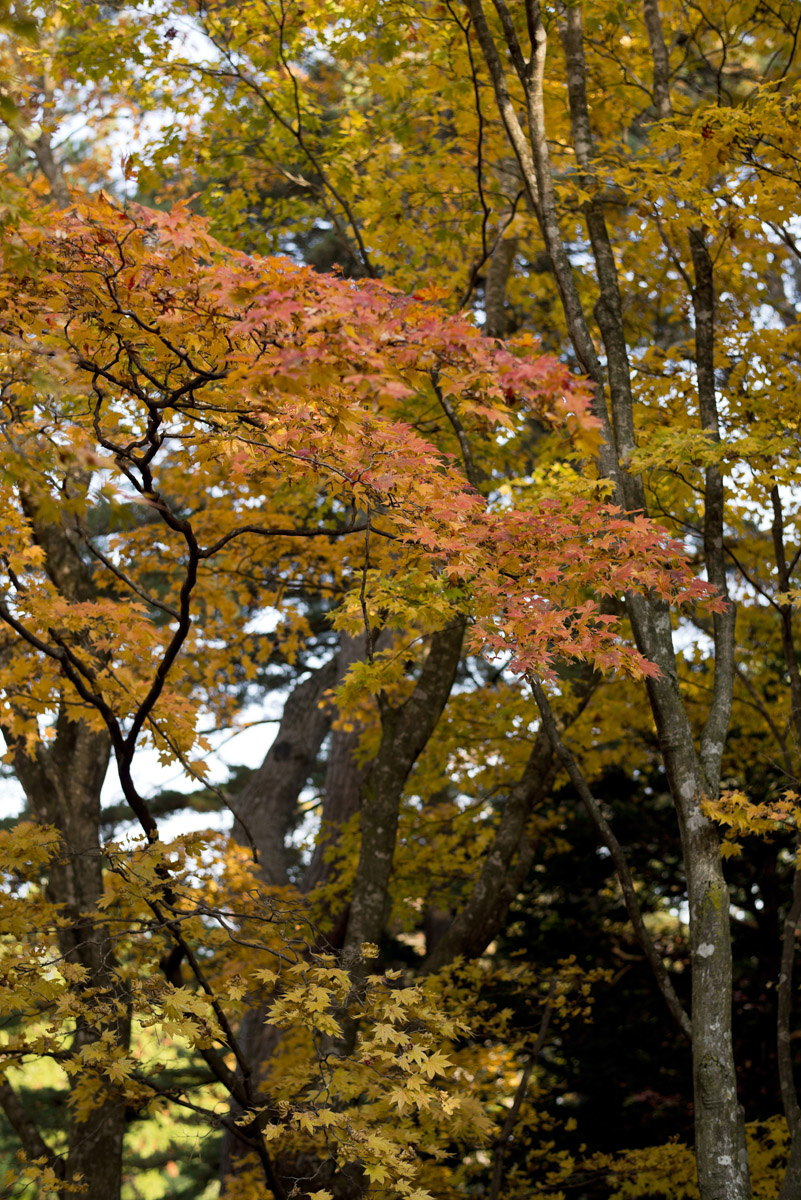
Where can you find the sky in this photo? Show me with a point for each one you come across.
(243, 747)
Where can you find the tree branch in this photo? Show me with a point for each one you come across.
(514, 1112)
(618, 856)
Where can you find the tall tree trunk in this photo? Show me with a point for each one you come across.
(62, 783)
(404, 733)
(265, 810)
(720, 1135)
(344, 780)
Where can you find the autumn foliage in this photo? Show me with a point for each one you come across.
(419, 384)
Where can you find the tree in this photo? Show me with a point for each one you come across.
(129, 368)
(552, 209)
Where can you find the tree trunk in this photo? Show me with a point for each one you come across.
(266, 808)
(62, 783)
(404, 734)
(720, 1134)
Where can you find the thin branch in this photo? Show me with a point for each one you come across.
(486, 211)
(458, 428)
(27, 1130)
(263, 531)
(129, 583)
(507, 1131)
(236, 72)
(763, 711)
(256, 1144)
(617, 854)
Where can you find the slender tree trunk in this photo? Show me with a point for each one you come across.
(62, 781)
(791, 1186)
(498, 271)
(720, 1135)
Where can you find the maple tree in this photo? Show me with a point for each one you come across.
(195, 436)
(338, 453)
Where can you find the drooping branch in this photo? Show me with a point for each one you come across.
(464, 442)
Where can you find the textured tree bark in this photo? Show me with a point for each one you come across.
(42, 150)
(498, 271)
(266, 807)
(405, 732)
(344, 780)
(62, 781)
(62, 784)
(720, 1135)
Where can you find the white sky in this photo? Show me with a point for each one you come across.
(247, 747)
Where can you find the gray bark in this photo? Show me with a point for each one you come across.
(344, 777)
(405, 732)
(265, 809)
(498, 271)
(720, 1145)
(62, 781)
